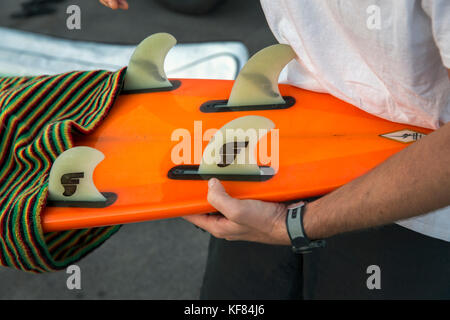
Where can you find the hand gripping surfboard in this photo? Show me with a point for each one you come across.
(163, 139)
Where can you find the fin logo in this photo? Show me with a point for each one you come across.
(229, 151)
(404, 136)
(70, 181)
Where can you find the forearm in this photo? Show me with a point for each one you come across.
(410, 183)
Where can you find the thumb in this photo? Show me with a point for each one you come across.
(220, 199)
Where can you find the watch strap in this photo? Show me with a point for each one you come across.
(296, 231)
(294, 222)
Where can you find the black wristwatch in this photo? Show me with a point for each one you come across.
(294, 223)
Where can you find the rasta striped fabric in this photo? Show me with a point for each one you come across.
(39, 119)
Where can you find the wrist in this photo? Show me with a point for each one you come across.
(310, 221)
(280, 230)
(300, 241)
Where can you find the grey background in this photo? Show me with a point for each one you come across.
(235, 20)
(150, 260)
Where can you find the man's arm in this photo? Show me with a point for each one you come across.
(410, 183)
(115, 4)
(413, 182)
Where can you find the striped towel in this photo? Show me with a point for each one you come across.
(38, 121)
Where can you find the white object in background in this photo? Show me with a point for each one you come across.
(25, 53)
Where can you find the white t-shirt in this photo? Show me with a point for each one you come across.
(388, 58)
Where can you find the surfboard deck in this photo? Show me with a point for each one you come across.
(323, 144)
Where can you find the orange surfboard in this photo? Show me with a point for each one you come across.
(321, 142)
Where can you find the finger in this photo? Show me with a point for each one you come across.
(112, 4)
(123, 4)
(217, 225)
(204, 221)
(221, 200)
(103, 2)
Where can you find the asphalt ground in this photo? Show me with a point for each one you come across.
(150, 260)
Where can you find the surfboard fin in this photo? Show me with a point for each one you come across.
(71, 176)
(146, 67)
(257, 82)
(232, 149)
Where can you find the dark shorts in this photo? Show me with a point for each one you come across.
(409, 266)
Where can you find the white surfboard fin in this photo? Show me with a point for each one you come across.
(257, 82)
(71, 176)
(232, 148)
(231, 153)
(146, 67)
